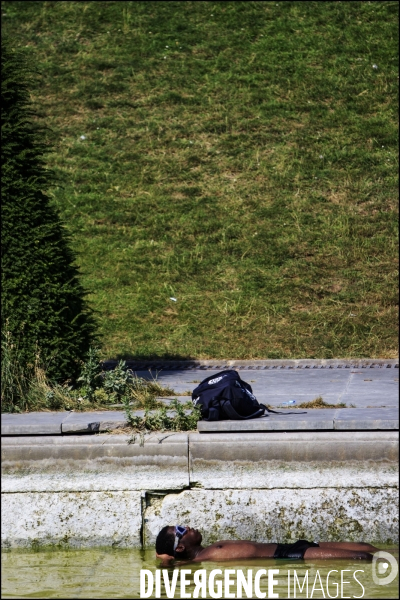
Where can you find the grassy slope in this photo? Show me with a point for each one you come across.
(239, 156)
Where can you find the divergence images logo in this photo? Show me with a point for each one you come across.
(384, 568)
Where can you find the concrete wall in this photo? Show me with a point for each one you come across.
(270, 486)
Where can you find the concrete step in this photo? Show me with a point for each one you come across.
(216, 460)
(313, 419)
(59, 423)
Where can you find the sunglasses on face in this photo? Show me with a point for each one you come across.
(179, 533)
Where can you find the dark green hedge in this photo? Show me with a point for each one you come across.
(43, 301)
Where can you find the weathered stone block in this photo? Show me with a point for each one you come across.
(71, 518)
(280, 515)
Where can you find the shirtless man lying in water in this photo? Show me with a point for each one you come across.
(184, 544)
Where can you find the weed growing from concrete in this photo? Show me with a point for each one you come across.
(28, 388)
(318, 402)
(175, 417)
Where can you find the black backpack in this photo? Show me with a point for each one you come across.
(226, 396)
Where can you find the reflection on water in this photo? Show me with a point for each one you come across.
(115, 573)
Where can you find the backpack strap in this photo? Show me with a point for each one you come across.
(261, 412)
(277, 412)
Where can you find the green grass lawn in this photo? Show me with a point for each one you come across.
(240, 157)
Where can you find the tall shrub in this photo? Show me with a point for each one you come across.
(43, 302)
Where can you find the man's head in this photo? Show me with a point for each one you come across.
(176, 542)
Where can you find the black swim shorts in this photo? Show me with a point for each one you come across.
(295, 550)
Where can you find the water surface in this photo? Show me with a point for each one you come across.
(115, 573)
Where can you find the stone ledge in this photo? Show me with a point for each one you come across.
(370, 418)
(314, 419)
(226, 447)
(295, 446)
(59, 423)
(76, 447)
(94, 463)
(293, 459)
(34, 423)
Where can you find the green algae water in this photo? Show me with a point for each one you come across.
(116, 573)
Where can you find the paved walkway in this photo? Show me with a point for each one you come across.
(368, 388)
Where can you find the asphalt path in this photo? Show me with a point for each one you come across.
(354, 387)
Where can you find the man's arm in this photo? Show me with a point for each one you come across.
(327, 552)
(363, 546)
